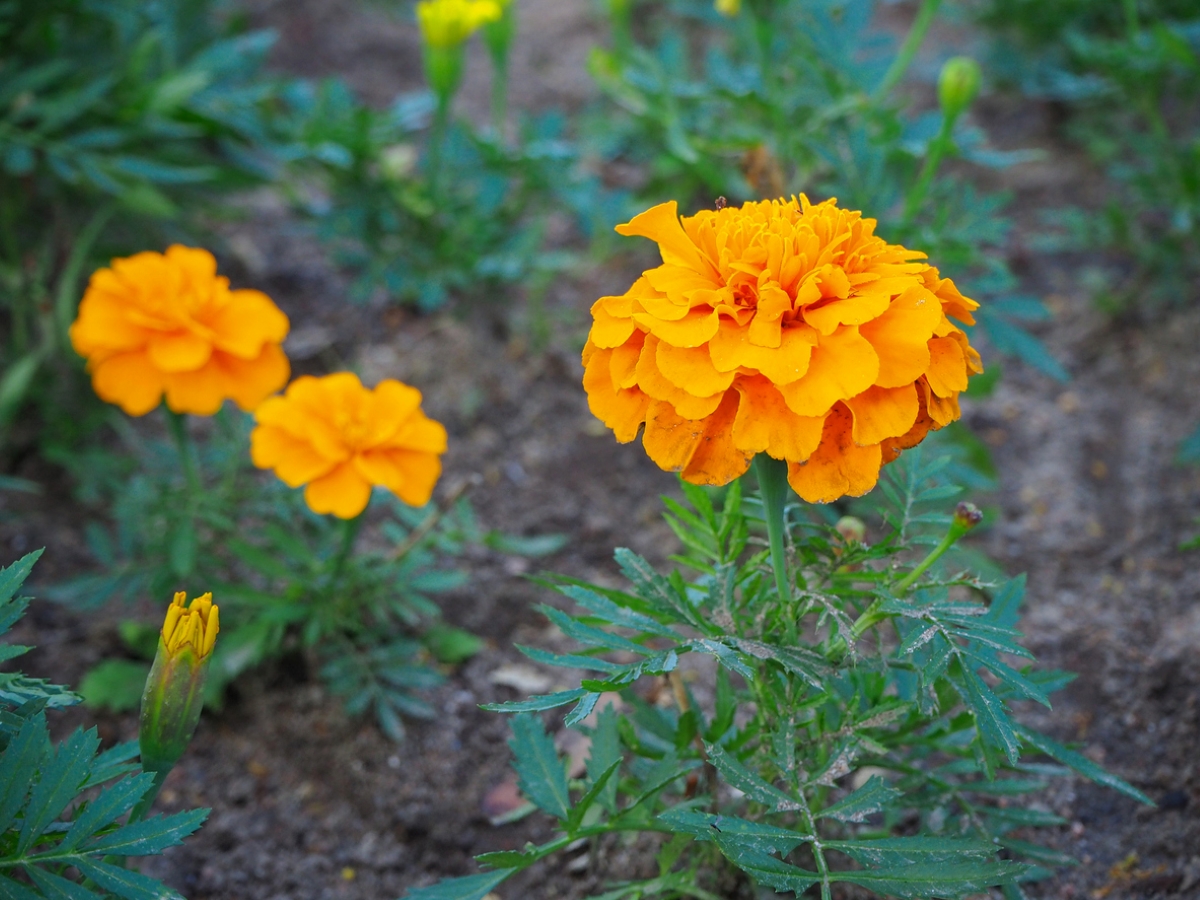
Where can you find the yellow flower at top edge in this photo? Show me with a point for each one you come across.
(447, 23)
(728, 8)
(191, 627)
(781, 327)
(166, 323)
(339, 438)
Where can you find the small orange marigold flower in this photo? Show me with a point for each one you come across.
(158, 323)
(339, 438)
(781, 327)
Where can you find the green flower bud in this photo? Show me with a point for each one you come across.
(498, 34)
(174, 692)
(958, 84)
(444, 70)
(851, 529)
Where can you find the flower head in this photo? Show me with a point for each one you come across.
(174, 693)
(158, 323)
(339, 438)
(448, 23)
(781, 327)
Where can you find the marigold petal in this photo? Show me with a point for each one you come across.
(390, 407)
(669, 439)
(249, 320)
(342, 492)
(850, 311)
(944, 410)
(716, 459)
(900, 336)
(679, 282)
(408, 474)
(882, 413)
(655, 384)
(103, 327)
(248, 382)
(294, 461)
(838, 467)
(947, 371)
(621, 410)
(661, 225)
(130, 381)
(198, 265)
(892, 447)
(691, 369)
(420, 434)
(695, 328)
(624, 359)
(843, 365)
(200, 393)
(178, 352)
(607, 329)
(765, 424)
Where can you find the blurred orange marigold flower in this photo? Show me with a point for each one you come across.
(158, 323)
(785, 328)
(339, 438)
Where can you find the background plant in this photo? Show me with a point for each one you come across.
(789, 97)
(121, 123)
(61, 802)
(287, 579)
(857, 731)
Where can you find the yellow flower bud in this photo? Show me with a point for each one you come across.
(728, 8)
(174, 693)
(958, 84)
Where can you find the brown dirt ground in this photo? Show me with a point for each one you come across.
(309, 804)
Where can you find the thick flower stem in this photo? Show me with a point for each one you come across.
(938, 148)
(908, 50)
(772, 483)
(350, 529)
(177, 424)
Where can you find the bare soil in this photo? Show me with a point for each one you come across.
(310, 804)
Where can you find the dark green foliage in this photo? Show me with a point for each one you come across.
(119, 121)
(61, 803)
(422, 211)
(795, 96)
(867, 706)
(284, 577)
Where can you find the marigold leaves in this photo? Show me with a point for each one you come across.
(1080, 763)
(536, 703)
(764, 868)
(750, 784)
(996, 730)
(605, 752)
(754, 835)
(590, 796)
(18, 765)
(540, 773)
(941, 879)
(469, 887)
(105, 809)
(913, 850)
(150, 836)
(810, 666)
(62, 774)
(11, 890)
(873, 796)
(590, 636)
(610, 612)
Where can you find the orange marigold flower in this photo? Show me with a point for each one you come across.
(339, 438)
(785, 328)
(158, 323)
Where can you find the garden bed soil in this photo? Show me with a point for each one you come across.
(310, 804)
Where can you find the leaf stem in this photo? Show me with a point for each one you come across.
(772, 484)
(908, 50)
(177, 425)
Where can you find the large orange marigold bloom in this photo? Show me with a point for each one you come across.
(784, 328)
(339, 438)
(166, 323)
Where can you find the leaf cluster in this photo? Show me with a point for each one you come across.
(859, 731)
(61, 803)
(286, 579)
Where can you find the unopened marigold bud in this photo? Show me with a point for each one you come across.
(729, 8)
(851, 529)
(967, 515)
(174, 692)
(958, 84)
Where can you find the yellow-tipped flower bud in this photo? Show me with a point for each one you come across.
(958, 84)
(174, 692)
(728, 8)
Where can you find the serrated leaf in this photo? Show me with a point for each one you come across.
(60, 779)
(1004, 609)
(655, 589)
(750, 784)
(582, 710)
(991, 717)
(10, 890)
(1080, 764)
(810, 666)
(766, 869)
(150, 836)
(55, 887)
(12, 577)
(895, 851)
(105, 809)
(569, 661)
(944, 879)
(872, 797)
(590, 635)
(124, 882)
(662, 773)
(536, 703)
(725, 655)
(605, 750)
(754, 835)
(18, 764)
(470, 887)
(540, 773)
(584, 803)
(612, 613)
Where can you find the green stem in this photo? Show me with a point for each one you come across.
(908, 50)
(935, 554)
(499, 100)
(772, 483)
(177, 425)
(350, 530)
(143, 806)
(938, 148)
